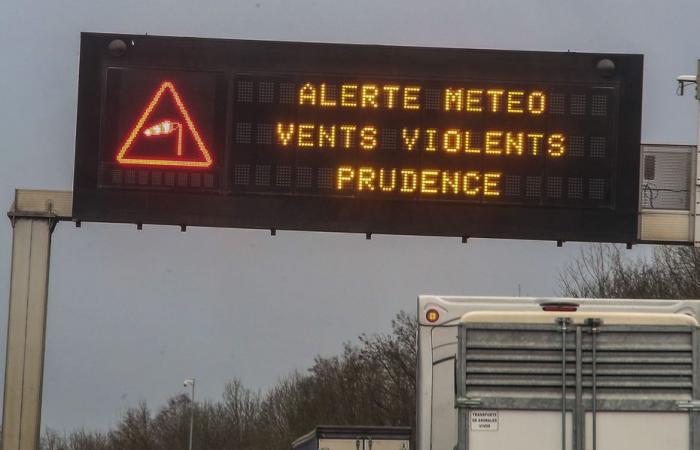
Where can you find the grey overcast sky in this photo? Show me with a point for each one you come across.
(132, 313)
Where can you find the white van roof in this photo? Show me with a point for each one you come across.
(580, 317)
(451, 308)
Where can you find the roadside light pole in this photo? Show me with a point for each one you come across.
(190, 382)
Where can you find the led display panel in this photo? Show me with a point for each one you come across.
(349, 138)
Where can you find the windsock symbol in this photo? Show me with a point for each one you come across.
(165, 128)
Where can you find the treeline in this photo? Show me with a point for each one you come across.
(606, 271)
(371, 383)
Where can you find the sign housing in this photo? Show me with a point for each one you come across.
(358, 138)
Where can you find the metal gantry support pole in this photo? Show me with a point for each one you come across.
(34, 215)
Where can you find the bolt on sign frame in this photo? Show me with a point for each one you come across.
(358, 138)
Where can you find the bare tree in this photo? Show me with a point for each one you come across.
(87, 440)
(53, 440)
(135, 431)
(371, 382)
(604, 271)
(393, 359)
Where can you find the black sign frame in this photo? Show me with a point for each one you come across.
(224, 207)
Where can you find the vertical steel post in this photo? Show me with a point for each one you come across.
(696, 196)
(563, 323)
(694, 414)
(579, 413)
(595, 329)
(34, 215)
(461, 390)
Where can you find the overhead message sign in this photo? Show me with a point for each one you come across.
(370, 139)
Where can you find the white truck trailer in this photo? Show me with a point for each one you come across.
(354, 438)
(511, 373)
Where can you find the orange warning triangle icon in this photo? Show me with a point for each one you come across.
(165, 141)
